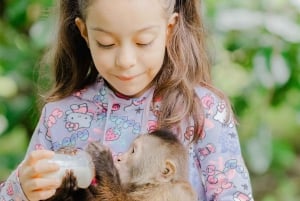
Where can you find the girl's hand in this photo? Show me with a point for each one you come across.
(31, 174)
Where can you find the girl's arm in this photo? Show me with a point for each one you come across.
(11, 189)
(224, 173)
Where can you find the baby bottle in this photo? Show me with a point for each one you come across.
(80, 163)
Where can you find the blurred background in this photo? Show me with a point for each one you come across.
(256, 50)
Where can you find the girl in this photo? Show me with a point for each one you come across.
(126, 67)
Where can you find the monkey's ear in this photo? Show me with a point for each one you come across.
(168, 170)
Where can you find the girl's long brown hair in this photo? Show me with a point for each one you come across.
(185, 66)
(71, 59)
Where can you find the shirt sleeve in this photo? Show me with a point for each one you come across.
(224, 173)
(11, 189)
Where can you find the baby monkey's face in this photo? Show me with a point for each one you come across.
(141, 161)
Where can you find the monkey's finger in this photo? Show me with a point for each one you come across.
(69, 181)
(73, 180)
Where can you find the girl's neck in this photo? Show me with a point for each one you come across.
(127, 97)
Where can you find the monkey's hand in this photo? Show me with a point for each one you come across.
(108, 183)
(67, 150)
(103, 161)
(66, 189)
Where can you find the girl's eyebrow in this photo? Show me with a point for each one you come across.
(152, 27)
(100, 29)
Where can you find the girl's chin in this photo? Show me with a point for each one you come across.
(128, 93)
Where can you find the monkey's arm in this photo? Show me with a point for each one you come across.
(107, 186)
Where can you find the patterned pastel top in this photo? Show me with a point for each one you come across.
(217, 170)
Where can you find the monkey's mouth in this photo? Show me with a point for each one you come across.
(94, 182)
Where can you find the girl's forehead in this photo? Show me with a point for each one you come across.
(125, 16)
(125, 4)
(125, 8)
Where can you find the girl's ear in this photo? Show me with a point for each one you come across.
(171, 23)
(82, 28)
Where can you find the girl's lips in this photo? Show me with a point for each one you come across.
(127, 78)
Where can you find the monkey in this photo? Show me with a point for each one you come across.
(154, 168)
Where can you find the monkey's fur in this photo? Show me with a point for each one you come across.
(157, 172)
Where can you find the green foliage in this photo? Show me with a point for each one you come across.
(256, 52)
(22, 41)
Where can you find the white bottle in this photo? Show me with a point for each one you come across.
(80, 163)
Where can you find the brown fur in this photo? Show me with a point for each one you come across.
(171, 185)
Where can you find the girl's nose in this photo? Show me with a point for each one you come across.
(126, 57)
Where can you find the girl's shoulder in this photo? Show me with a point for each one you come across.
(209, 95)
(215, 104)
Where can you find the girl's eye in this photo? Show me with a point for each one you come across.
(144, 44)
(105, 46)
(132, 150)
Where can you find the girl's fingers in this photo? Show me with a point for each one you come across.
(32, 173)
(37, 155)
(41, 194)
(36, 170)
(40, 184)
(41, 189)
(42, 167)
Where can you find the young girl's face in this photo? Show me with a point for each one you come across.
(127, 40)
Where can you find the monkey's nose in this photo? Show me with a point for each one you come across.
(118, 159)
